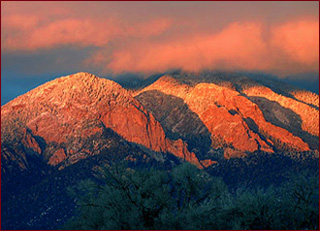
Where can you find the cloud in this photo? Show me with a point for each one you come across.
(154, 37)
(299, 40)
(238, 45)
(282, 48)
(29, 33)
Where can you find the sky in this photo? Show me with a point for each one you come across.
(44, 40)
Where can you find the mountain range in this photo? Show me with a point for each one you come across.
(59, 131)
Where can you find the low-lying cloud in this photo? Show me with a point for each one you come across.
(289, 47)
(162, 42)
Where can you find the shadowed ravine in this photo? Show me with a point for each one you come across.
(177, 120)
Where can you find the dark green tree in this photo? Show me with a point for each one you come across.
(300, 201)
(188, 198)
(148, 199)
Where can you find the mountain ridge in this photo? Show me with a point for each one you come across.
(65, 111)
(225, 107)
(237, 91)
(63, 131)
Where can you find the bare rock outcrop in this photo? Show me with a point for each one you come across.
(235, 120)
(66, 112)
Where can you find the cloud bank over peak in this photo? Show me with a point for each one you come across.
(240, 46)
(156, 37)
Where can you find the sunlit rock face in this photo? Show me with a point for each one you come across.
(240, 114)
(64, 121)
(197, 118)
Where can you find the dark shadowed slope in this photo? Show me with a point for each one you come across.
(241, 114)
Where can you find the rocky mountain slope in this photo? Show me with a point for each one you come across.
(64, 120)
(236, 112)
(39, 198)
(61, 132)
(196, 117)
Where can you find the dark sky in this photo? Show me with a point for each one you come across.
(44, 40)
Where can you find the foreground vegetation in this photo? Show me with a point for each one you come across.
(188, 198)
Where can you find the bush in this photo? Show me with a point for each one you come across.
(147, 199)
(189, 198)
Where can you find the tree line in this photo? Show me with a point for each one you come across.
(188, 198)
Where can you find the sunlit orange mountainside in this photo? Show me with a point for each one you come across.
(70, 115)
(239, 114)
(196, 119)
(180, 110)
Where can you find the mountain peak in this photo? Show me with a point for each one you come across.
(86, 79)
(82, 87)
(82, 76)
(67, 111)
(85, 74)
